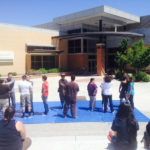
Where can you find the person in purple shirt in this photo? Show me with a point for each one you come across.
(92, 91)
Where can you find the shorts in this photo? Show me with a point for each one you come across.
(25, 100)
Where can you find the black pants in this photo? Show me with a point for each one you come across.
(106, 98)
(131, 101)
(62, 99)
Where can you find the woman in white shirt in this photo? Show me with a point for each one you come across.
(107, 92)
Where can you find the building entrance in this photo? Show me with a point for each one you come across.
(92, 64)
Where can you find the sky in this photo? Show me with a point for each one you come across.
(34, 12)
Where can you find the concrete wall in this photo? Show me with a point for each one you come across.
(15, 39)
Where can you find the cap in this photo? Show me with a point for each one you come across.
(62, 74)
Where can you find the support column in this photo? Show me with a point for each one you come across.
(100, 25)
(100, 59)
(28, 62)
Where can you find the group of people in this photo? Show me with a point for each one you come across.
(126, 90)
(67, 93)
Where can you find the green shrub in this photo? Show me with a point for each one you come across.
(141, 76)
(43, 70)
(54, 70)
(14, 74)
(0, 75)
(34, 72)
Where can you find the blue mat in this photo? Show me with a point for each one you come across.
(83, 114)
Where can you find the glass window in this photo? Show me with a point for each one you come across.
(74, 46)
(46, 62)
(89, 45)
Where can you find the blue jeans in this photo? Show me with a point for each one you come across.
(106, 98)
(12, 99)
(44, 98)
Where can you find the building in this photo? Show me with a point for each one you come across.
(87, 39)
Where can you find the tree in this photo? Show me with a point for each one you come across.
(121, 56)
(138, 56)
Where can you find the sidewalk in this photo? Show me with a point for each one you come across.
(74, 143)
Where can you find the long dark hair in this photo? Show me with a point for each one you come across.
(126, 112)
(9, 114)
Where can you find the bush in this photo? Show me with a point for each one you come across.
(34, 72)
(43, 70)
(14, 74)
(141, 76)
(0, 75)
(53, 70)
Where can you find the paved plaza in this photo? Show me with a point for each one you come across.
(80, 136)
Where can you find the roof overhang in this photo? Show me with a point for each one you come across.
(105, 13)
(98, 34)
(45, 52)
(40, 45)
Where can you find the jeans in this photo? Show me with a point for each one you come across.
(131, 101)
(106, 98)
(44, 98)
(92, 102)
(13, 99)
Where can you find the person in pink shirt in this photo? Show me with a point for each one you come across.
(45, 94)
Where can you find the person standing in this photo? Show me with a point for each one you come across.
(25, 89)
(130, 93)
(4, 95)
(72, 89)
(123, 88)
(45, 94)
(31, 95)
(62, 89)
(12, 91)
(92, 91)
(107, 93)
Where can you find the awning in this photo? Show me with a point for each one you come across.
(45, 52)
(125, 34)
(6, 56)
(40, 45)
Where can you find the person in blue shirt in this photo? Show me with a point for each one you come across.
(131, 92)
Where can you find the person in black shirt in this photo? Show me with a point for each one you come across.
(146, 138)
(12, 132)
(124, 129)
(123, 88)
